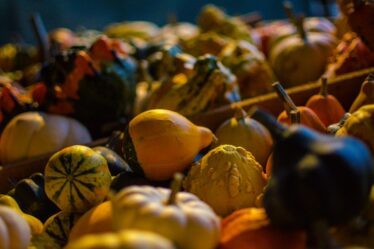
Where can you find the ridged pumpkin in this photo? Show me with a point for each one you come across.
(36, 226)
(227, 178)
(58, 227)
(77, 178)
(161, 142)
(326, 106)
(35, 133)
(250, 228)
(14, 231)
(307, 115)
(97, 220)
(247, 133)
(127, 239)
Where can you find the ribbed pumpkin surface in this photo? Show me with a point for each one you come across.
(77, 178)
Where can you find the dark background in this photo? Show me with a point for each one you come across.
(95, 14)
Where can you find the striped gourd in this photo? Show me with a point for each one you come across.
(77, 178)
(57, 228)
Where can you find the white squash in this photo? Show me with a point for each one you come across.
(181, 217)
(34, 133)
(15, 232)
(129, 239)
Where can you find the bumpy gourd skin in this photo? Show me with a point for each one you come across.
(317, 177)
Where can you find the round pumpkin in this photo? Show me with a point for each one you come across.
(250, 228)
(227, 178)
(180, 217)
(301, 58)
(161, 142)
(127, 239)
(35, 133)
(247, 133)
(97, 220)
(58, 227)
(77, 178)
(14, 231)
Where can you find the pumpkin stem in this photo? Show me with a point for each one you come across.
(288, 9)
(175, 187)
(41, 35)
(276, 129)
(295, 117)
(319, 235)
(289, 105)
(240, 113)
(301, 29)
(324, 87)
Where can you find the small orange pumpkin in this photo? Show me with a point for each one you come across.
(326, 106)
(307, 115)
(250, 229)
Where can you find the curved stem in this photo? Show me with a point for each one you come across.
(276, 129)
(289, 105)
(324, 87)
(295, 117)
(301, 29)
(176, 186)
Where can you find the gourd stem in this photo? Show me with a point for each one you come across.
(240, 113)
(295, 117)
(176, 186)
(300, 28)
(41, 35)
(276, 129)
(319, 236)
(289, 105)
(288, 9)
(324, 87)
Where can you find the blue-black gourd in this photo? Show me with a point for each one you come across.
(115, 163)
(315, 177)
(30, 196)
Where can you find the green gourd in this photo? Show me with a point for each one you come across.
(317, 180)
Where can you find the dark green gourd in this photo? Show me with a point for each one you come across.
(316, 179)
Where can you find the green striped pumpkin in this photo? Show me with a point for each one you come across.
(57, 228)
(77, 178)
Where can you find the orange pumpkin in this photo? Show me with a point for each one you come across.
(326, 106)
(307, 115)
(250, 229)
(97, 220)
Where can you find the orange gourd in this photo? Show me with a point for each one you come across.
(366, 95)
(307, 115)
(250, 229)
(97, 220)
(326, 106)
(160, 143)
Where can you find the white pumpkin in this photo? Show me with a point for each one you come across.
(15, 232)
(129, 239)
(35, 133)
(187, 221)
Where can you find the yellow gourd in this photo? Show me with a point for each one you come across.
(162, 142)
(227, 178)
(36, 225)
(32, 134)
(127, 239)
(14, 231)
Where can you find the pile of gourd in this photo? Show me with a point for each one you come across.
(257, 183)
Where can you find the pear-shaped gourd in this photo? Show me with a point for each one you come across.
(326, 106)
(366, 95)
(360, 125)
(160, 143)
(314, 175)
(307, 115)
(247, 133)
